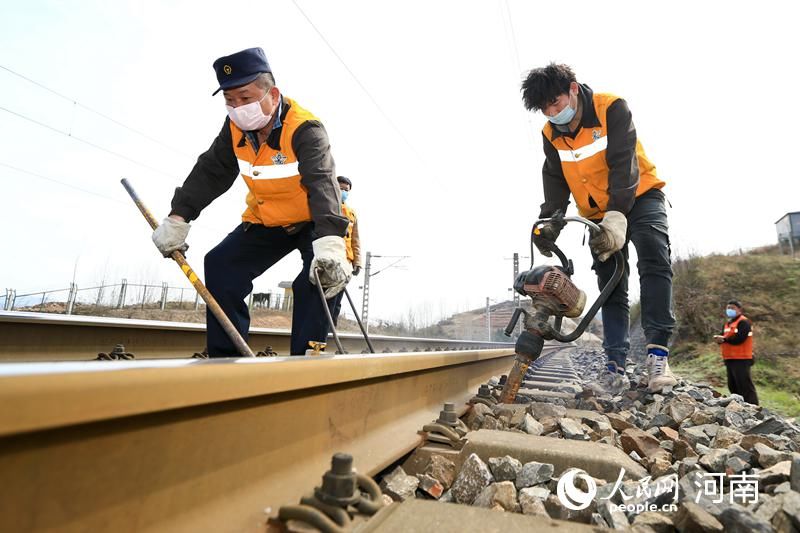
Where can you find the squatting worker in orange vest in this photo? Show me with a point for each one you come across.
(281, 151)
(592, 152)
(352, 241)
(736, 343)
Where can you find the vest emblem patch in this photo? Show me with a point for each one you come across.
(279, 159)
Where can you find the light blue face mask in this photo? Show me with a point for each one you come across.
(564, 116)
(345, 194)
(731, 313)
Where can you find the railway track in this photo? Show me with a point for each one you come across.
(28, 336)
(204, 445)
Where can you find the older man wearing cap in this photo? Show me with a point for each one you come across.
(282, 152)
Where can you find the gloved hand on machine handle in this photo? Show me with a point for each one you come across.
(171, 236)
(545, 235)
(330, 257)
(611, 237)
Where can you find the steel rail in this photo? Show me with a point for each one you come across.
(210, 445)
(26, 336)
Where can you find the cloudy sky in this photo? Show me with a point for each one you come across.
(421, 101)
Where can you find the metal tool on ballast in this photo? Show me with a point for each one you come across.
(194, 279)
(316, 348)
(553, 296)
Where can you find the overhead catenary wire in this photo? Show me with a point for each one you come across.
(60, 182)
(80, 189)
(512, 36)
(96, 112)
(84, 141)
(358, 81)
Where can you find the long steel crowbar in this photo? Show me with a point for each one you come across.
(179, 258)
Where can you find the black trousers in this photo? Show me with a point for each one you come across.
(242, 256)
(648, 231)
(337, 308)
(739, 380)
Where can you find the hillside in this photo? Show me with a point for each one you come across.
(768, 285)
(472, 324)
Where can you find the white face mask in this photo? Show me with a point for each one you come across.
(249, 117)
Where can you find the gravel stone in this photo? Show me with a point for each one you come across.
(693, 518)
(399, 485)
(571, 429)
(532, 504)
(503, 494)
(430, 486)
(442, 469)
(531, 426)
(737, 519)
(657, 522)
(540, 410)
(472, 479)
(534, 473)
(504, 468)
(726, 437)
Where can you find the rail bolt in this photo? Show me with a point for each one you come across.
(339, 484)
(448, 416)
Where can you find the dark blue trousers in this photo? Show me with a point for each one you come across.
(648, 231)
(242, 256)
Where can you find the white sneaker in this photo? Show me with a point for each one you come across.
(659, 374)
(613, 382)
(643, 378)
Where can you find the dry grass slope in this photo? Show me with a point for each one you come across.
(768, 285)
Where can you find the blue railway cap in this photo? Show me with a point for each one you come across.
(240, 68)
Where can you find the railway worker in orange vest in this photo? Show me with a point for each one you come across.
(736, 344)
(281, 150)
(351, 239)
(592, 152)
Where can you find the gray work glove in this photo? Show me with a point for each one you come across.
(171, 236)
(330, 257)
(611, 237)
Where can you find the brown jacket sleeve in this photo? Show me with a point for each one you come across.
(355, 242)
(623, 165)
(318, 176)
(213, 174)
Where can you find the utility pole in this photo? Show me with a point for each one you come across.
(369, 274)
(488, 320)
(516, 273)
(515, 294)
(365, 295)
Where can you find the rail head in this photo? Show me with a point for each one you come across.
(39, 396)
(28, 317)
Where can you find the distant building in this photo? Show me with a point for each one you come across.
(288, 295)
(788, 228)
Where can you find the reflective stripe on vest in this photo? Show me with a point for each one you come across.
(348, 238)
(737, 351)
(276, 196)
(583, 162)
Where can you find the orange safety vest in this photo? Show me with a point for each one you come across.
(348, 238)
(276, 197)
(737, 351)
(583, 162)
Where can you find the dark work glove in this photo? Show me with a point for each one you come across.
(544, 236)
(356, 270)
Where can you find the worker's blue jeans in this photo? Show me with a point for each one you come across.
(648, 231)
(242, 256)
